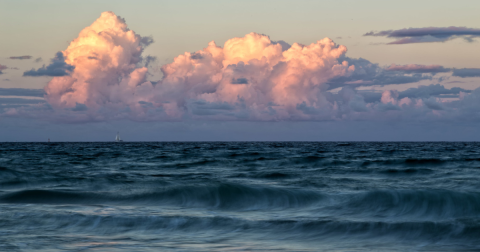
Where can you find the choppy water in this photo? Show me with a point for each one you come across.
(279, 196)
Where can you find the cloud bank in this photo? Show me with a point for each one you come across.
(427, 34)
(102, 75)
(249, 78)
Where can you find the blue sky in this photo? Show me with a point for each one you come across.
(41, 29)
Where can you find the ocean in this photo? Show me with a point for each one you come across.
(240, 196)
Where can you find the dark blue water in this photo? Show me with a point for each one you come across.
(279, 196)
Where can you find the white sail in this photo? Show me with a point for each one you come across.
(117, 138)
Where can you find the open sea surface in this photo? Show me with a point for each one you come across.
(240, 196)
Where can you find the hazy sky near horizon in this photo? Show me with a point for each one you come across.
(40, 29)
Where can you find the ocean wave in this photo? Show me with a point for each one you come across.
(223, 196)
(424, 204)
(375, 204)
(294, 229)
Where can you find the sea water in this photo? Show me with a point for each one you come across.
(240, 196)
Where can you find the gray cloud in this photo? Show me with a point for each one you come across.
(285, 45)
(22, 92)
(145, 104)
(307, 110)
(149, 59)
(146, 41)
(9, 106)
(427, 34)
(37, 60)
(213, 105)
(80, 107)
(370, 97)
(21, 57)
(196, 56)
(466, 72)
(388, 106)
(433, 104)
(367, 74)
(20, 101)
(431, 90)
(419, 92)
(2, 67)
(414, 68)
(205, 108)
(58, 67)
(239, 81)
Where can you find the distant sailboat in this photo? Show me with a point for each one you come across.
(117, 138)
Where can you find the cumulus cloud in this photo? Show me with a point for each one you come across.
(249, 78)
(58, 67)
(259, 79)
(105, 72)
(466, 72)
(21, 57)
(427, 34)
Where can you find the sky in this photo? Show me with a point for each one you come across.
(246, 70)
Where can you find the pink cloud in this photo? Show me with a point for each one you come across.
(248, 78)
(253, 74)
